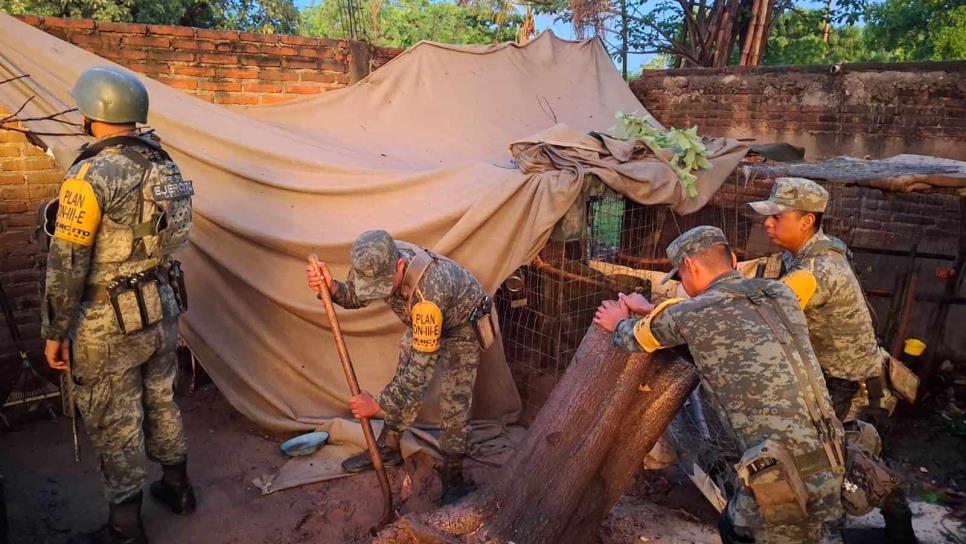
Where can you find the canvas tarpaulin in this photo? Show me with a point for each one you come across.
(418, 148)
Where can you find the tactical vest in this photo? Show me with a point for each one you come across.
(838, 246)
(763, 296)
(162, 221)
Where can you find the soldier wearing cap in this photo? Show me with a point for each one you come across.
(113, 297)
(437, 300)
(817, 268)
(749, 341)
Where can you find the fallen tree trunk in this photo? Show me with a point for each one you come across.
(578, 459)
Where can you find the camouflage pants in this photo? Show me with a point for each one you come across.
(128, 408)
(460, 356)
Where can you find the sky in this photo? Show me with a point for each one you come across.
(546, 22)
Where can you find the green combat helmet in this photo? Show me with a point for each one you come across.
(111, 95)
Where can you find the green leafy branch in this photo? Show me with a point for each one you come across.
(688, 150)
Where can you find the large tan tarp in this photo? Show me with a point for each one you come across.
(419, 148)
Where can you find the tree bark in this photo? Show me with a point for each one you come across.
(578, 459)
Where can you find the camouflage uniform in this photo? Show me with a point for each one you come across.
(751, 381)
(124, 383)
(839, 321)
(457, 293)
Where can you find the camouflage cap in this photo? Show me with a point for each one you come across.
(793, 194)
(374, 258)
(691, 242)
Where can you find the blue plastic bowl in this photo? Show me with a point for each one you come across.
(304, 444)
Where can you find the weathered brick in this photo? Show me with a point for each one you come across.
(258, 38)
(193, 45)
(172, 56)
(236, 99)
(26, 163)
(277, 75)
(12, 178)
(185, 83)
(319, 77)
(193, 71)
(267, 99)
(146, 41)
(78, 24)
(123, 28)
(297, 64)
(298, 40)
(32, 20)
(228, 35)
(169, 30)
(238, 73)
(208, 58)
(226, 86)
(11, 150)
(260, 60)
(261, 88)
(303, 88)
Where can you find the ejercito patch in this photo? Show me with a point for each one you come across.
(79, 214)
(172, 190)
(427, 327)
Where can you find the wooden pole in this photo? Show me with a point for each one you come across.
(388, 512)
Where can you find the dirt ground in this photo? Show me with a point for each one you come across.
(49, 495)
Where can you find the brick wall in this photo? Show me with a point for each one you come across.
(861, 110)
(28, 178)
(225, 67)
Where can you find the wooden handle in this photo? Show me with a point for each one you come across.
(350, 377)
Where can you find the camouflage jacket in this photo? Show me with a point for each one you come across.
(448, 285)
(116, 183)
(839, 322)
(750, 381)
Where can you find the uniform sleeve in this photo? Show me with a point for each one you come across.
(410, 385)
(345, 295)
(68, 264)
(656, 331)
(822, 269)
(67, 267)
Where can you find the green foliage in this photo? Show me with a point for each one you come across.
(688, 152)
(912, 30)
(797, 39)
(403, 23)
(266, 16)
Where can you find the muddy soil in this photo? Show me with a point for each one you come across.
(49, 496)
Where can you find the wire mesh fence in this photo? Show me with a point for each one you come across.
(615, 245)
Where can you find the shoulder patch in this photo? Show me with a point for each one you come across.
(642, 329)
(79, 213)
(427, 321)
(803, 285)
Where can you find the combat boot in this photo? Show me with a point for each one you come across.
(123, 526)
(455, 487)
(174, 489)
(388, 446)
(898, 519)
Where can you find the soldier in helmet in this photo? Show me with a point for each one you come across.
(447, 314)
(750, 345)
(817, 268)
(113, 296)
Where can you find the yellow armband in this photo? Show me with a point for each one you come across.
(427, 327)
(803, 285)
(79, 214)
(642, 329)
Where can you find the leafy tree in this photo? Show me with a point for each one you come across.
(403, 23)
(797, 38)
(911, 30)
(265, 16)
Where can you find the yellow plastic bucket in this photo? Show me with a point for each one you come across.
(914, 347)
